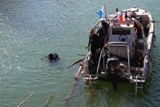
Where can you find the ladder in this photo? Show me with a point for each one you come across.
(139, 80)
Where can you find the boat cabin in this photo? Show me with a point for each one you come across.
(121, 39)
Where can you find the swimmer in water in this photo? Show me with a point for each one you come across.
(53, 57)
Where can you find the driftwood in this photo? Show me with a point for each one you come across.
(25, 100)
(81, 55)
(76, 77)
(76, 62)
(89, 99)
(48, 100)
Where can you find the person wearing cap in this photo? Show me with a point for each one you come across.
(94, 46)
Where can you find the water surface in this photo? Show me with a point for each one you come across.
(31, 29)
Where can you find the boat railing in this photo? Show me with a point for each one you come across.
(120, 44)
(98, 22)
(151, 34)
(99, 61)
(142, 30)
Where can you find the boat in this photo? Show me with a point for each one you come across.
(126, 53)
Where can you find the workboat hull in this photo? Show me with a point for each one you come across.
(125, 54)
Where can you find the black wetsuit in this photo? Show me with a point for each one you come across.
(103, 33)
(94, 41)
(53, 57)
(113, 77)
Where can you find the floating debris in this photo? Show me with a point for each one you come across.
(25, 100)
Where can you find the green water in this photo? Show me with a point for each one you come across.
(31, 29)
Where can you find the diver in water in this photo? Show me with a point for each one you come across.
(53, 57)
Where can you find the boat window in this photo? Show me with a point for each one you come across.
(120, 31)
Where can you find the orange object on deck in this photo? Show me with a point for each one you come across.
(120, 18)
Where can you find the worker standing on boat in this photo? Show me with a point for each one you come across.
(94, 46)
(102, 31)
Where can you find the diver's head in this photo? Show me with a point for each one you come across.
(50, 57)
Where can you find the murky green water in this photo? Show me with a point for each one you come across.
(30, 29)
